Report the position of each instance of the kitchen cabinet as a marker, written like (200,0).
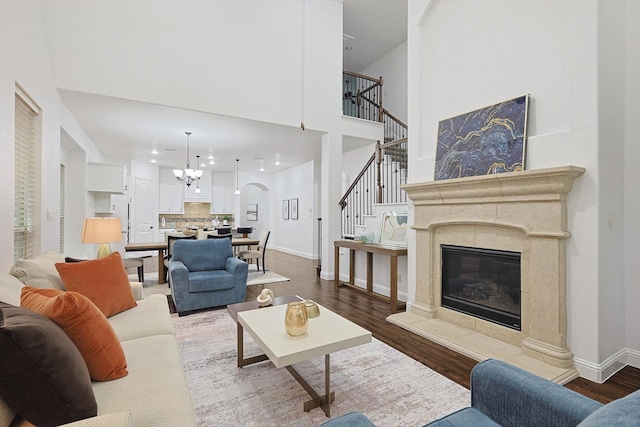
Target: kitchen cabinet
(164,232)
(106,203)
(205,190)
(102,177)
(222,199)
(171,198)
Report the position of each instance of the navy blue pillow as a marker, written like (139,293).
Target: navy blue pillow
(43,376)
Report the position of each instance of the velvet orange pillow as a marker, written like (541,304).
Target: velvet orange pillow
(104,281)
(87,327)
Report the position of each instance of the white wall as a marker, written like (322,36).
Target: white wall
(256,188)
(632,178)
(76,202)
(25,61)
(265,52)
(393,69)
(259,196)
(570,57)
(247,41)
(354,160)
(611,151)
(294,236)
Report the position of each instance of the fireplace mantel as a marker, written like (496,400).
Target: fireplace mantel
(524,212)
(540,184)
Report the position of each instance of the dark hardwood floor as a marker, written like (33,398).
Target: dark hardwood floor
(371,314)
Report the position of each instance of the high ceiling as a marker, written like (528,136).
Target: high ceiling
(372,28)
(124,129)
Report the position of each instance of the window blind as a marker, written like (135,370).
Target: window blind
(25,175)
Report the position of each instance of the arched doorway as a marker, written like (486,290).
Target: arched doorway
(254,209)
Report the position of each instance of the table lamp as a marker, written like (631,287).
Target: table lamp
(102,231)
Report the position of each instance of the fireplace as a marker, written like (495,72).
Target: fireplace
(507,232)
(484,283)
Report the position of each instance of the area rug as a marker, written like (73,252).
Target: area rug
(260,278)
(151,285)
(390,388)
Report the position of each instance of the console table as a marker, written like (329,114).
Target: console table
(370,248)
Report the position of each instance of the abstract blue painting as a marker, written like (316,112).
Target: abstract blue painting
(483,142)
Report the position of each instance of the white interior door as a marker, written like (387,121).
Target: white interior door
(144,226)
(120,207)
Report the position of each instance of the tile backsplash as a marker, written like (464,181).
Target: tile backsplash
(195,214)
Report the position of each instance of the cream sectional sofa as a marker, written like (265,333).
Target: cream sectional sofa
(155,392)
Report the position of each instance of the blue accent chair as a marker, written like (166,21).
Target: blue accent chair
(504,395)
(205,274)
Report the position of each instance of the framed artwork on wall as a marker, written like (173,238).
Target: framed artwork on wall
(252,212)
(394,228)
(294,208)
(285,209)
(486,141)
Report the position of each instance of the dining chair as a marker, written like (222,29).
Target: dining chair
(258,253)
(220,236)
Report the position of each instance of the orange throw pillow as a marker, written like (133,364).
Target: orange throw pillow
(87,327)
(104,281)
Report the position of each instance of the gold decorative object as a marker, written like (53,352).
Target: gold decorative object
(296,320)
(312,309)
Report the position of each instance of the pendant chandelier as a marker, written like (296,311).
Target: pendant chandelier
(188,175)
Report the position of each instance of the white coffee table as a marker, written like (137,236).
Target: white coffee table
(326,334)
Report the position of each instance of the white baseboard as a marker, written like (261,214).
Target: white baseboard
(325,275)
(600,372)
(292,252)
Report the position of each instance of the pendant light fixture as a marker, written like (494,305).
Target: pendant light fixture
(237,188)
(198,191)
(188,175)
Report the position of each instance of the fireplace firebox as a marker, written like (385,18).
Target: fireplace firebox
(484,283)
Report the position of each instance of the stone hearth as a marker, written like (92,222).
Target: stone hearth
(523,212)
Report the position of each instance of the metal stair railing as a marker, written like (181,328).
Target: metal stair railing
(362,96)
(379,181)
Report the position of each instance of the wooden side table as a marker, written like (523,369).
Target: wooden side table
(370,248)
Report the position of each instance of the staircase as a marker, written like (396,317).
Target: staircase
(386,170)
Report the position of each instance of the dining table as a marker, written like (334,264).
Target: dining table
(161,247)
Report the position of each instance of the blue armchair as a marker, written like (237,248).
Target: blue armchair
(504,395)
(204,274)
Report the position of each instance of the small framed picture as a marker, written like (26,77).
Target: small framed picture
(285,209)
(252,212)
(294,208)
(394,228)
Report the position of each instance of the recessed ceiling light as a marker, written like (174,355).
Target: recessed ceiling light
(153,160)
(348,48)
(154,151)
(210,157)
(211,162)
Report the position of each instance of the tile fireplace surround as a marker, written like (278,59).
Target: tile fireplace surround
(524,212)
